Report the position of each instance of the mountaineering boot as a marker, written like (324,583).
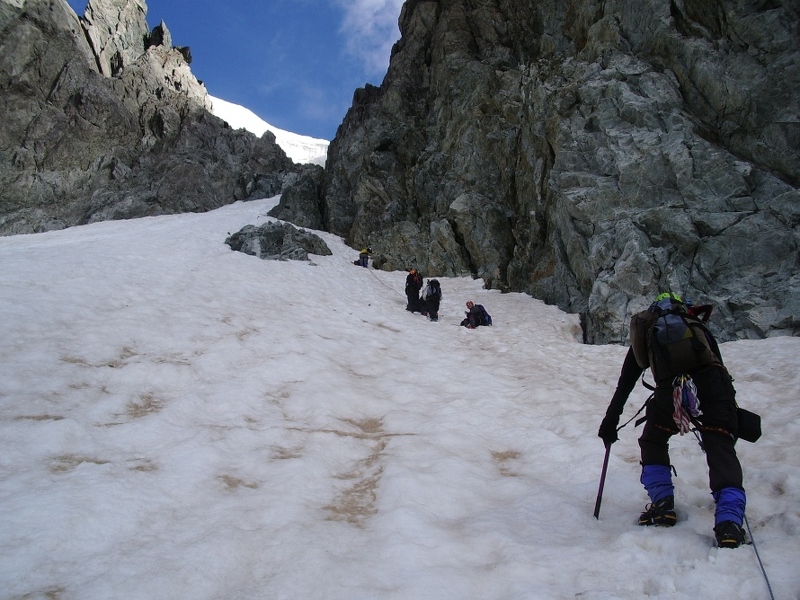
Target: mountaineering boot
(729,535)
(661,513)
(729,514)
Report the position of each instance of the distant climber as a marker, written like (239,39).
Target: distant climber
(431,298)
(363,257)
(413,286)
(476,316)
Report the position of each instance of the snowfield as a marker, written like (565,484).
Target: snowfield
(300,149)
(182,421)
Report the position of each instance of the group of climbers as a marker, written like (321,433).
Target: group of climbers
(670,339)
(427,302)
(422,300)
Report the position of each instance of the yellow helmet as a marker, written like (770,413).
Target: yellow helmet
(672,295)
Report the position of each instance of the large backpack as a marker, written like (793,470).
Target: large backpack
(433,290)
(670,339)
(487,319)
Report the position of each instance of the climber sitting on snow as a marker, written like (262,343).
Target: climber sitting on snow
(476,316)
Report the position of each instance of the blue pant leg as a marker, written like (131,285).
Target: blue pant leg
(731,503)
(657,480)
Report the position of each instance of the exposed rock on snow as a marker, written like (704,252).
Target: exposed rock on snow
(277,241)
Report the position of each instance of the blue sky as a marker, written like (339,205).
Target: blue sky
(295,63)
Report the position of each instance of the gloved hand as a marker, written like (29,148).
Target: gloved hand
(608,429)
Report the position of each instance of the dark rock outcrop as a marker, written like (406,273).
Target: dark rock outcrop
(277,241)
(300,203)
(103,119)
(590,153)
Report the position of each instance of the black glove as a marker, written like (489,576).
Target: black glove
(608,429)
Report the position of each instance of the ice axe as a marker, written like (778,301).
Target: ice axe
(602,482)
(608,451)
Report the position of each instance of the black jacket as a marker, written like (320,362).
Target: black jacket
(413,283)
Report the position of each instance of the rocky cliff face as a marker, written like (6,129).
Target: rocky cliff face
(103,119)
(588,152)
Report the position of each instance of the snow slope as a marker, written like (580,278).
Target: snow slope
(179,420)
(300,148)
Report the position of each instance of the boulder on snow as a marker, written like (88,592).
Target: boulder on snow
(277,241)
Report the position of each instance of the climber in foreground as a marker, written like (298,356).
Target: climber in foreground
(693,388)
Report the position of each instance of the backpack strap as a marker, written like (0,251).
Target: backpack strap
(642,419)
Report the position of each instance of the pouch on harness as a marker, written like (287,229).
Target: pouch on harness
(670,340)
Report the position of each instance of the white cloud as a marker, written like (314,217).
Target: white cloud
(370,29)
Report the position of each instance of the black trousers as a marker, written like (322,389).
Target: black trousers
(432,308)
(718,427)
(413,300)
